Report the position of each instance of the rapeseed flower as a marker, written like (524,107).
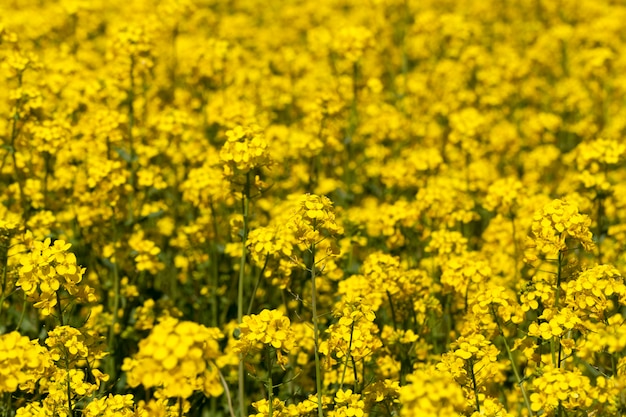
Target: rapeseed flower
(178,358)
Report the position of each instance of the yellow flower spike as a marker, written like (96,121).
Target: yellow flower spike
(157,365)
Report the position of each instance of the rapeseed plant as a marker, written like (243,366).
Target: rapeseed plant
(314,208)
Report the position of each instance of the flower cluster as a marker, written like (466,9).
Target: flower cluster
(70,345)
(431,393)
(272,249)
(178,358)
(313,219)
(354,336)
(559,387)
(245,149)
(113,405)
(422,202)
(268,328)
(48,268)
(22,362)
(554,224)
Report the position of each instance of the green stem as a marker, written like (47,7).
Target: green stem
(515,246)
(19,323)
(4,260)
(114,312)
(518,378)
(599,230)
(69,388)
(318,366)
(47,171)
(110,361)
(557,295)
(6,404)
(356,375)
(558,281)
(14,134)
(393,311)
(226,390)
(470,365)
(270,384)
(60,308)
(131,140)
(256,284)
(214,279)
(348,356)
(245,203)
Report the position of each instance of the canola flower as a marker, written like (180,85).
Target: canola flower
(23,361)
(312,208)
(178,358)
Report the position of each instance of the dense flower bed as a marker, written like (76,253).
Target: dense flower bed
(312,208)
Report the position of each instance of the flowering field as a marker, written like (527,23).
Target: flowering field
(339,208)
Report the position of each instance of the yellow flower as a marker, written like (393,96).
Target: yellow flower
(270,327)
(177,357)
(45,270)
(554,224)
(22,362)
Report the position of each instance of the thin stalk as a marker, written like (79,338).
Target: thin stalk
(270,384)
(227,391)
(353,122)
(60,308)
(362,375)
(5,261)
(19,323)
(257,283)
(6,404)
(557,296)
(245,207)
(599,231)
(557,293)
(318,366)
(393,311)
(348,355)
(214,284)
(215,273)
(114,309)
(69,388)
(14,134)
(470,365)
(518,378)
(515,246)
(131,140)
(356,376)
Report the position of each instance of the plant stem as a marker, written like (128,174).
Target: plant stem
(256,285)
(557,296)
(393,311)
(599,230)
(318,367)
(60,308)
(471,368)
(518,378)
(515,246)
(270,384)
(4,261)
(111,365)
(69,388)
(14,134)
(226,390)
(348,356)
(131,141)
(245,203)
